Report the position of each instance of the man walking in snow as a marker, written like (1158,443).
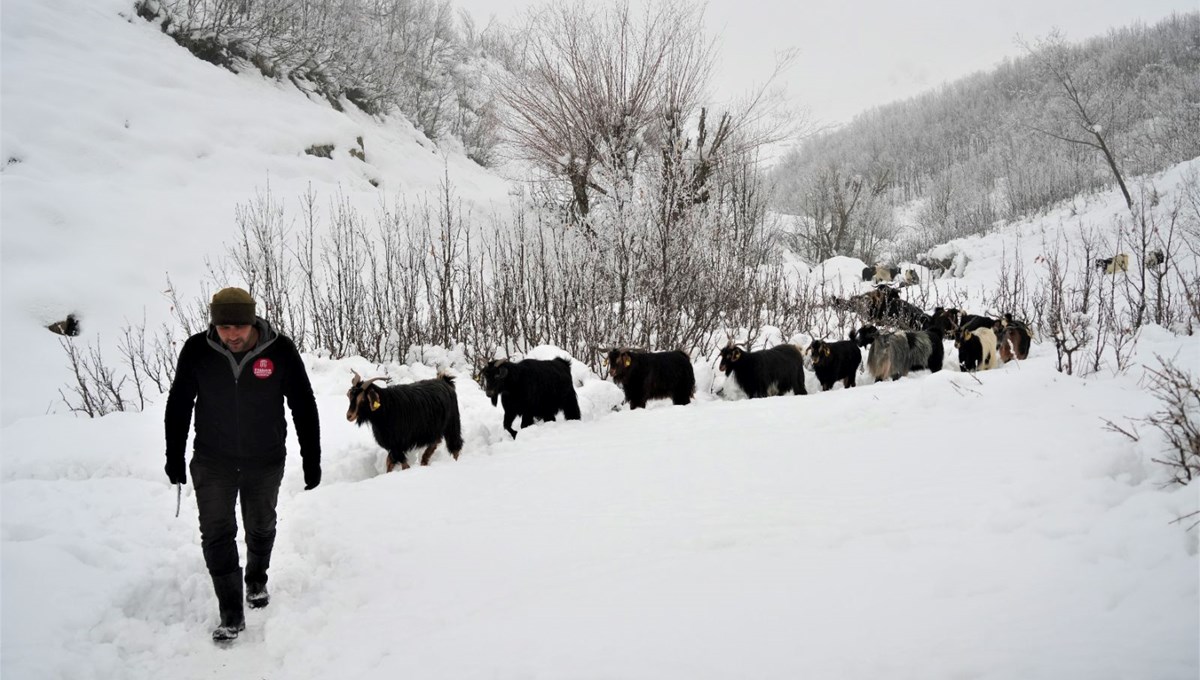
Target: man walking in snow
(237,375)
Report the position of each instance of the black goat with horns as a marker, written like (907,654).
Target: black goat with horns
(531,388)
(405,417)
(767,372)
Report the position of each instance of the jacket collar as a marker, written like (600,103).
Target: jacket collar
(266,336)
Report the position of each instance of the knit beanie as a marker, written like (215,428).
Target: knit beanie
(232,307)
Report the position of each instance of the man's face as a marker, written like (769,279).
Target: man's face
(237,338)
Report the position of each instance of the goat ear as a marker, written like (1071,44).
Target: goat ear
(503,372)
(375,403)
(626,359)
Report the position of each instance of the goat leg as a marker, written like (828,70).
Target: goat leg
(391,462)
(429,452)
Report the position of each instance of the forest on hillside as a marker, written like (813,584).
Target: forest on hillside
(1061,120)
(1065,118)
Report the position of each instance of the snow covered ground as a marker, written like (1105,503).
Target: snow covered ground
(943,526)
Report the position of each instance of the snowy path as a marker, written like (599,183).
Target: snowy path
(909,530)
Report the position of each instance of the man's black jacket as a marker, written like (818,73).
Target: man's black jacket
(239,406)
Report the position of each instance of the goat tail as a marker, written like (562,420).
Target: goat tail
(447,378)
(453,433)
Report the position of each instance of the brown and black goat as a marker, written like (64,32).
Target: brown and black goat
(883,305)
(1014,337)
(405,417)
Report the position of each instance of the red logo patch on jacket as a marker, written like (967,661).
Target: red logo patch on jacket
(263,368)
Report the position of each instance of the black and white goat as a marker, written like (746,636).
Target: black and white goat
(405,417)
(1112,265)
(976,349)
(765,373)
(531,388)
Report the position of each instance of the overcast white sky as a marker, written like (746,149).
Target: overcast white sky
(854,55)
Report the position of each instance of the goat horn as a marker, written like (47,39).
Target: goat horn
(356,379)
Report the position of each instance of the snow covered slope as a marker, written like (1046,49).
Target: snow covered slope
(125,158)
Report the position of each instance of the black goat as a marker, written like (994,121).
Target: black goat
(926,350)
(652,375)
(944,319)
(834,361)
(404,417)
(971,322)
(767,372)
(531,388)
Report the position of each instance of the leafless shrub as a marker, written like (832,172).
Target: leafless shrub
(1064,318)
(97,390)
(261,259)
(1177,420)
(191,316)
(1013,294)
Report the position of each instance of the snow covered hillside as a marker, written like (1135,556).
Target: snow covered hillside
(946,525)
(125,158)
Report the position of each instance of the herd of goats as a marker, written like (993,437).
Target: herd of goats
(422,414)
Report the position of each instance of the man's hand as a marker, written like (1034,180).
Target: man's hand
(176,470)
(312,474)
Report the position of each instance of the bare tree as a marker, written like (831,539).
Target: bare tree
(604,95)
(842,213)
(595,84)
(1093,109)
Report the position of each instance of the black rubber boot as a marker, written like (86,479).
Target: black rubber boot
(229,600)
(257,596)
(256,580)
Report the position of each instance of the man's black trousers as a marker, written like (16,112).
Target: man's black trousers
(218,485)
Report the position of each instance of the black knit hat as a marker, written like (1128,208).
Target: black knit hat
(232,307)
